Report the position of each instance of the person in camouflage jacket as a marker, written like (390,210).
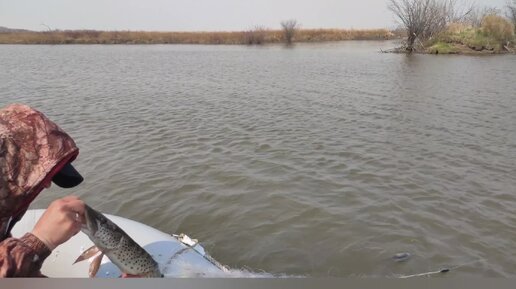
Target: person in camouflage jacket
(34,152)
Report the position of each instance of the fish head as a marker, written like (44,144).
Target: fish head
(91,220)
(104,233)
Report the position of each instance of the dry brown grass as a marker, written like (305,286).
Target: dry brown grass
(144,37)
(498,27)
(320,35)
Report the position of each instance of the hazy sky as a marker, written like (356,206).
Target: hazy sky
(190,15)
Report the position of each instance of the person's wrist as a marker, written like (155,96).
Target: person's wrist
(40,249)
(51,246)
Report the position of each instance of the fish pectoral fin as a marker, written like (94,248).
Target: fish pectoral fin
(95,265)
(90,252)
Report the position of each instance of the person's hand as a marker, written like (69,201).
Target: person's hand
(62,220)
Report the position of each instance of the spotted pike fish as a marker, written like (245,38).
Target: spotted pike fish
(113,242)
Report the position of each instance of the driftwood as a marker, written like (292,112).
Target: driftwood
(402,49)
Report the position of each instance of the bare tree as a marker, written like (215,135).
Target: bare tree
(457,11)
(511,12)
(46,26)
(479,13)
(289,29)
(425,18)
(416,16)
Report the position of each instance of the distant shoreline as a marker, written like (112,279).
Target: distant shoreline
(255,37)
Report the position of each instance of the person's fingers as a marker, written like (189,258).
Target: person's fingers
(76,206)
(81,219)
(62,219)
(72,203)
(75,224)
(76,228)
(76,218)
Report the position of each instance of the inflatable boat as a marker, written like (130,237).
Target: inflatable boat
(177,255)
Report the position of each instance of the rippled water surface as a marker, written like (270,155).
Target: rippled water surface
(316,160)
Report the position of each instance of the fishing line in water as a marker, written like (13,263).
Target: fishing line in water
(444,270)
(441,271)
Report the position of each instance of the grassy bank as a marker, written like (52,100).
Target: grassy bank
(460,39)
(494,35)
(142,37)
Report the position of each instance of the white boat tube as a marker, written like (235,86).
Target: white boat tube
(177,255)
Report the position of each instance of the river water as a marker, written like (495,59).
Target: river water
(315,160)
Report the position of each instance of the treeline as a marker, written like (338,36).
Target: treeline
(431,25)
(257,35)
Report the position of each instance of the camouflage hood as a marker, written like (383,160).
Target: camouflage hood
(32,150)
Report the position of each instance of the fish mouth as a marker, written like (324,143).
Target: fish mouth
(92,218)
(95,221)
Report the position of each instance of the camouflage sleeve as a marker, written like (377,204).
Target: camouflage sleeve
(22,257)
